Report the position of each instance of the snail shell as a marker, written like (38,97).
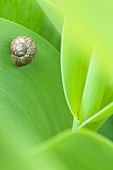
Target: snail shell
(23,50)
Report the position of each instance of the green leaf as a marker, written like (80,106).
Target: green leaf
(94,90)
(95,121)
(23,12)
(107,128)
(10,156)
(74,67)
(94,22)
(108,95)
(81,150)
(32,102)
(29,14)
(54,12)
(49,32)
(84,85)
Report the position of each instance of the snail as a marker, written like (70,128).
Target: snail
(23,50)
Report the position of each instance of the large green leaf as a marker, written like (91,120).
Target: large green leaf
(32,101)
(83,150)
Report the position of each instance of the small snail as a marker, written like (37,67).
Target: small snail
(23,50)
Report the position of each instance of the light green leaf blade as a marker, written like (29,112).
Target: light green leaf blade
(74,67)
(94,20)
(95,121)
(81,150)
(84,84)
(94,90)
(32,101)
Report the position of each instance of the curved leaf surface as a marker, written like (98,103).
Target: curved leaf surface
(23,12)
(54,12)
(32,101)
(84,84)
(29,14)
(80,150)
(74,67)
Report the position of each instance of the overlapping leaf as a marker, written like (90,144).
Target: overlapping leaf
(84,84)
(54,12)
(94,20)
(23,12)
(29,14)
(74,67)
(76,52)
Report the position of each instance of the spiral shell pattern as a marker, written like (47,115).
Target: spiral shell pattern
(23,50)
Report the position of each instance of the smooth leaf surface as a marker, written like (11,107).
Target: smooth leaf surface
(29,14)
(32,101)
(74,67)
(107,128)
(108,95)
(84,84)
(49,32)
(95,95)
(94,22)
(94,90)
(95,121)
(54,12)
(23,12)
(80,150)
(10,156)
